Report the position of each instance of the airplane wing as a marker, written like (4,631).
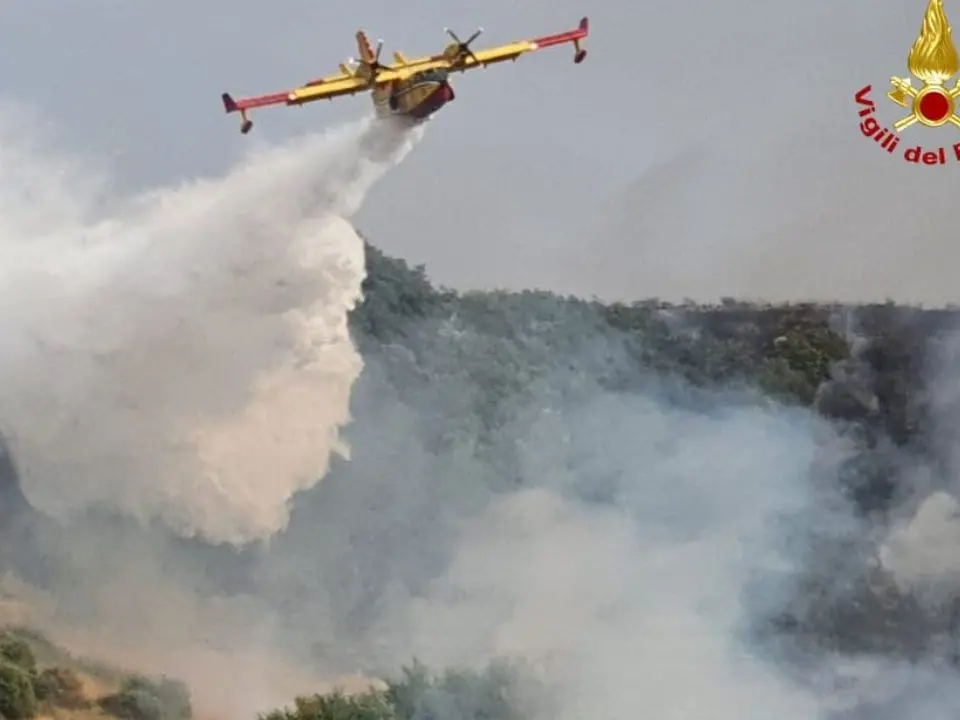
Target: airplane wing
(461,58)
(325,88)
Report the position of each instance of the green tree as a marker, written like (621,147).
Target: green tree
(17,698)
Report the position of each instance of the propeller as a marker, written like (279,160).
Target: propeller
(375,67)
(463,48)
(376,57)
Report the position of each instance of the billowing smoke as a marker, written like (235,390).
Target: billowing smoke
(520,487)
(184,353)
(921,546)
(629,568)
(517,484)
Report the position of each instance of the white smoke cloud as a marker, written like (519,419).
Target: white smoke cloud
(184,353)
(642,603)
(920,549)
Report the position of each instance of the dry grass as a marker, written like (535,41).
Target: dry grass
(64,714)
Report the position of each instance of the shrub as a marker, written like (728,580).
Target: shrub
(417,695)
(132,705)
(16,650)
(141,698)
(457,694)
(371,705)
(17,698)
(61,687)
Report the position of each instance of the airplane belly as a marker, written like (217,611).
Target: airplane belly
(421,99)
(415,99)
(409,98)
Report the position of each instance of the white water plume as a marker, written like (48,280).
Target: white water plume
(186,356)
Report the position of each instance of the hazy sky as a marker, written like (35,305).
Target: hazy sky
(701,150)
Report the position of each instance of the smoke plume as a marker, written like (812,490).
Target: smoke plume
(517,485)
(184,353)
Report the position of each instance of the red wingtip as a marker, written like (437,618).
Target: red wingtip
(229,105)
(585,25)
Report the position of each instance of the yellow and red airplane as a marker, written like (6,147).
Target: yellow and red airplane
(415,89)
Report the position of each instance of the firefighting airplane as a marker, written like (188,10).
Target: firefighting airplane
(414,89)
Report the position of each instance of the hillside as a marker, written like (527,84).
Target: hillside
(38,678)
(495,417)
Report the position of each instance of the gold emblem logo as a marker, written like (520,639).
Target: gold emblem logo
(932,60)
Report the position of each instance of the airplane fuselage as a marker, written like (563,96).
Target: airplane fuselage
(417,97)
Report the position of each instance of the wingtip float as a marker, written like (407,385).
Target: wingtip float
(413,89)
